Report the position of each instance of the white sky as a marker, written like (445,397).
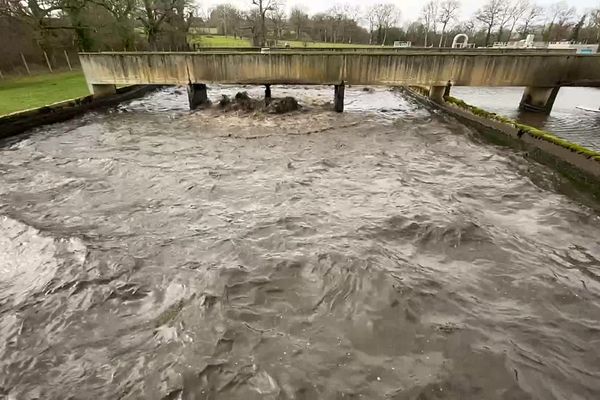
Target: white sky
(411,9)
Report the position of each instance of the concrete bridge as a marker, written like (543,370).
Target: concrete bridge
(542,74)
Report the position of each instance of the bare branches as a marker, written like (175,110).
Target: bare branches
(448,10)
(489,15)
(384,16)
(430,15)
(298,20)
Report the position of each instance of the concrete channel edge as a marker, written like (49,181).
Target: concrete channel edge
(580,165)
(22,121)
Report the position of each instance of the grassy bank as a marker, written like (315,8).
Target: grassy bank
(229,41)
(40,90)
(220,41)
(297,43)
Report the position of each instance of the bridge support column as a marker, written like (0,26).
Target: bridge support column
(338,100)
(436,93)
(103,90)
(539,99)
(267,94)
(197,95)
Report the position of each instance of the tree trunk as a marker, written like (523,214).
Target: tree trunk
(426,36)
(525,30)
(262,34)
(84,41)
(152,38)
(443,32)
(512,28)
(487,36)
(547,34)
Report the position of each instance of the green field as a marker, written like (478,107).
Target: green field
(297,43)
(230,41)
(40,90)
(220,41)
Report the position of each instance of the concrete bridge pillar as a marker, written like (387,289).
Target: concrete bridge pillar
(103,90)
(436,93)
(267,94)
(197,95)
(338,100)
(539,99)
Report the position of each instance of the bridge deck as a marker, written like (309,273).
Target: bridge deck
(463,68)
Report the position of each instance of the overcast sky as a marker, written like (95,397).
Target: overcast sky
(411,9)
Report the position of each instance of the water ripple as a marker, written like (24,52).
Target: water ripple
(152,252)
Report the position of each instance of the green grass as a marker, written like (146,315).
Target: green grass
(298,43)
(230,41)
(40,90)
(220,41)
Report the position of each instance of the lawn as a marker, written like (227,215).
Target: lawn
(230,41)
(297,43)
(40,90)
(220,41)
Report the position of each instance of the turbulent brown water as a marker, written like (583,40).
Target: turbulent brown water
(154,253)
(565,120)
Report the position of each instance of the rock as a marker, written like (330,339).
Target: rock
(242,96)
(225,101)
(281,106)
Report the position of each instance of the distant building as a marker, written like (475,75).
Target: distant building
(402,44)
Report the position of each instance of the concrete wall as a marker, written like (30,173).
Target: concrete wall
(381,49)
(21,121)
(399,68)
(583,169)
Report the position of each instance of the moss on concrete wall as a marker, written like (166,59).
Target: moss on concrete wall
(526,129)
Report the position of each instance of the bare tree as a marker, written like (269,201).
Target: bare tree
(518,9)
(489,15)
(386,15)
(165,16)
(595,21)
(447,12)
(263,7)
(529,18)
(504,16)
(559,14)
(430,16)
(122,12)
(226,17)
(278,17)
(34,13)
(298,20)
(152,13)
(577,28)
(372,19)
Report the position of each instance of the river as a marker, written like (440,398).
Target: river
(565,120)
(386,252)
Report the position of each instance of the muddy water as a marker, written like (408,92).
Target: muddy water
(566,120)
(382,253)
